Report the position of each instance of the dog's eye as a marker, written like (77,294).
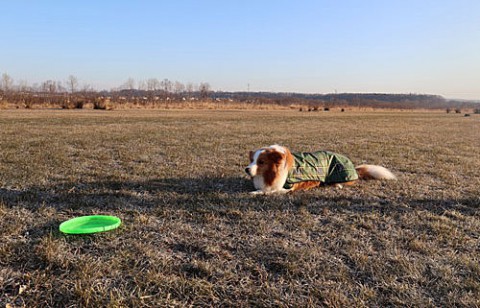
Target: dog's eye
(260,162)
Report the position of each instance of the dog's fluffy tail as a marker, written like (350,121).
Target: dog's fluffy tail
(373,172)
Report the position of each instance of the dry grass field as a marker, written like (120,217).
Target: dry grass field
(193,236)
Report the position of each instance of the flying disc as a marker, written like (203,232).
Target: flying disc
(90,224)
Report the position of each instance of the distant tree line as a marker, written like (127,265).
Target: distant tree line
(71,85)
(70,94)
(358,100)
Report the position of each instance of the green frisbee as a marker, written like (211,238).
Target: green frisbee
(90,224)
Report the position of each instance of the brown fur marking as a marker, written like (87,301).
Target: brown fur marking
(305,185)
(362,173)
(268,163)
(290,159)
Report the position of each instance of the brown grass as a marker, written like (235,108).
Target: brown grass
(191,233)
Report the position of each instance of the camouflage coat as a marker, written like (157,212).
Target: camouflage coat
(323,166)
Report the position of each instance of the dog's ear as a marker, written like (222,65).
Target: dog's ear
(275,156)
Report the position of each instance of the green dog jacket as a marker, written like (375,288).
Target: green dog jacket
(323,166)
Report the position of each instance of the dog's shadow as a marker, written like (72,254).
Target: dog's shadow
(226,185)
(104,192)
(113,195)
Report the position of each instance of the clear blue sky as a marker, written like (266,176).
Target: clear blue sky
(392,46)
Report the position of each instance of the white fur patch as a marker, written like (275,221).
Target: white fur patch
(253,165)
(278,148)
(378,172)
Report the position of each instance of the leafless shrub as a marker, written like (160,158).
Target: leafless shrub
(79,104)
(99,104)
(27,103)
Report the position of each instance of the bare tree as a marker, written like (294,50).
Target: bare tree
(153,84)
(7,82)
(72,83)
(49,86)
(129,84)
(204,90)
(166,85)
(60,87)
(178,87)
(142,85)
(87,88)
(189,88)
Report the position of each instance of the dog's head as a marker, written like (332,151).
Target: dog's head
(265,159)
(269,167)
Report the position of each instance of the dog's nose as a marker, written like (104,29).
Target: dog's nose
(247,170)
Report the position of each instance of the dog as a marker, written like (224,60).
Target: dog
(275,169)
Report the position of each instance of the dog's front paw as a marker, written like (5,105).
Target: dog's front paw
(271,192)
(257,192)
